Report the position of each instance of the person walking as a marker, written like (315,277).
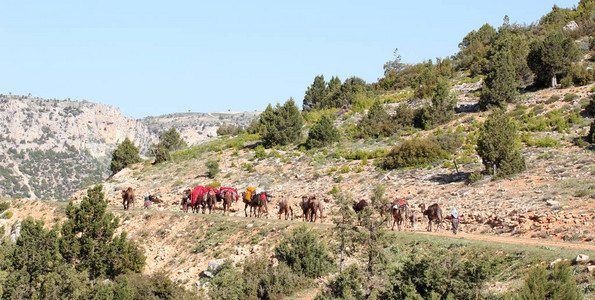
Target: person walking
(147,200)
(455,220)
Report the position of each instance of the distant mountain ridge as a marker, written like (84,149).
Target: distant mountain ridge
(50,148)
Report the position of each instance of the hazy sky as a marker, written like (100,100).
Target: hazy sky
(157,57)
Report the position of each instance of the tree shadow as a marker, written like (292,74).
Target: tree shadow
(450,178)
(467,108)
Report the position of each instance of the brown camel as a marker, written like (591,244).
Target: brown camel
(400,213)
(434,213)
(305,205)
(186,200)
(210,198)
(286,207)
(314,206)
(249,203)
(413,219)
(358,207)
(227,197)
(128,197)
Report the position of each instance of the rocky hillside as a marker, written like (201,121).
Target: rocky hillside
(554,198)
(50,148)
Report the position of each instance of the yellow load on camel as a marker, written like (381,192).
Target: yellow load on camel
(249,192)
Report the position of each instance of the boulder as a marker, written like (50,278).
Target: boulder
(215,264)
(581,258)
(571,26)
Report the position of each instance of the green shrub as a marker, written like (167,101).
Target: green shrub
(125,154)
(6,215)
(590,108)
(349,284)
(591,136)
(475,177)
(449,142)
(212,168)
(4,206)
(569,97)
(555,283)
(344,169)
(322,133)
(259,152)
(305,254)
(552,99)
(413,153)
(546,142)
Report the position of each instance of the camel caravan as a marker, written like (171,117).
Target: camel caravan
(310,208)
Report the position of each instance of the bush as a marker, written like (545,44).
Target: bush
(212,168)
(475,177)
(259,152)
(591,136)
(569,97)
(259,280)
(349,284)
(6,215)
(449,142)
(556,283)
(413,153)
(552,99)
(230,129)
(305,254)
(4,206)
(590,108)
(441,274)
(323,133)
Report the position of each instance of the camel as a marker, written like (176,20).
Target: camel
(314,206)
(359,207)
(227,197)
(286,207)
(400,214)
(248,203)
(128,197)
(305,205)
(413,219)
(186,200)
(256,204)
(209,198)
(434,212)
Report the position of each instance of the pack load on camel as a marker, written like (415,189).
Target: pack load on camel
(249,192)
(232,190)
(209,188)
(198,190)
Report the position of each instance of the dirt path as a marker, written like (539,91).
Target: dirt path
(511,240)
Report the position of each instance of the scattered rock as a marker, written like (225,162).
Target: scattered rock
(581,258)
(208,274)
(15,231)
(571,26)
(553,203)
(553,263)
(215,264)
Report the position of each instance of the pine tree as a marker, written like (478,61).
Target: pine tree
(552,58)
(498,145)
(281,125)
(344,220)
(443,106)
(322,133)
(315,94)
(501,84)
(88,241)
(172,140)
(125,154)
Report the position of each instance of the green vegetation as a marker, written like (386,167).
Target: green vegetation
(322,133)
(413,153)
(551,57)
(212,168)
(168,141)
(281,125)
(553,283)
(125,154)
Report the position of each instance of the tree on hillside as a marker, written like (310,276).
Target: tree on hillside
(501,84)
(281,125)
(88,241)
(475,49)
(551,58)
(125,154)
(442,108)
(425,82)
(315,94)
(393,67)
(322,133)
(498,145)
(344,220)
(172,140)
(377,122)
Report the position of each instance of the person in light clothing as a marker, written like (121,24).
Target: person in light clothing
(455,220)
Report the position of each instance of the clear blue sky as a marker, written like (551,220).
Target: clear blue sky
(157,57)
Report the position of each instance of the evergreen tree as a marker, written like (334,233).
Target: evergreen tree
(344,220)
(498,145)
(171,140)
(557,283)
(161,153)
(500,86)
(377,122)
(591,134)
(322,133)
(551,58)
(212,168)
(475,49)
(88,241)
(443,106)
(315,94)
(281,125)
(125,154)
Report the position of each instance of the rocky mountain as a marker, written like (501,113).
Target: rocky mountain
(50,148)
